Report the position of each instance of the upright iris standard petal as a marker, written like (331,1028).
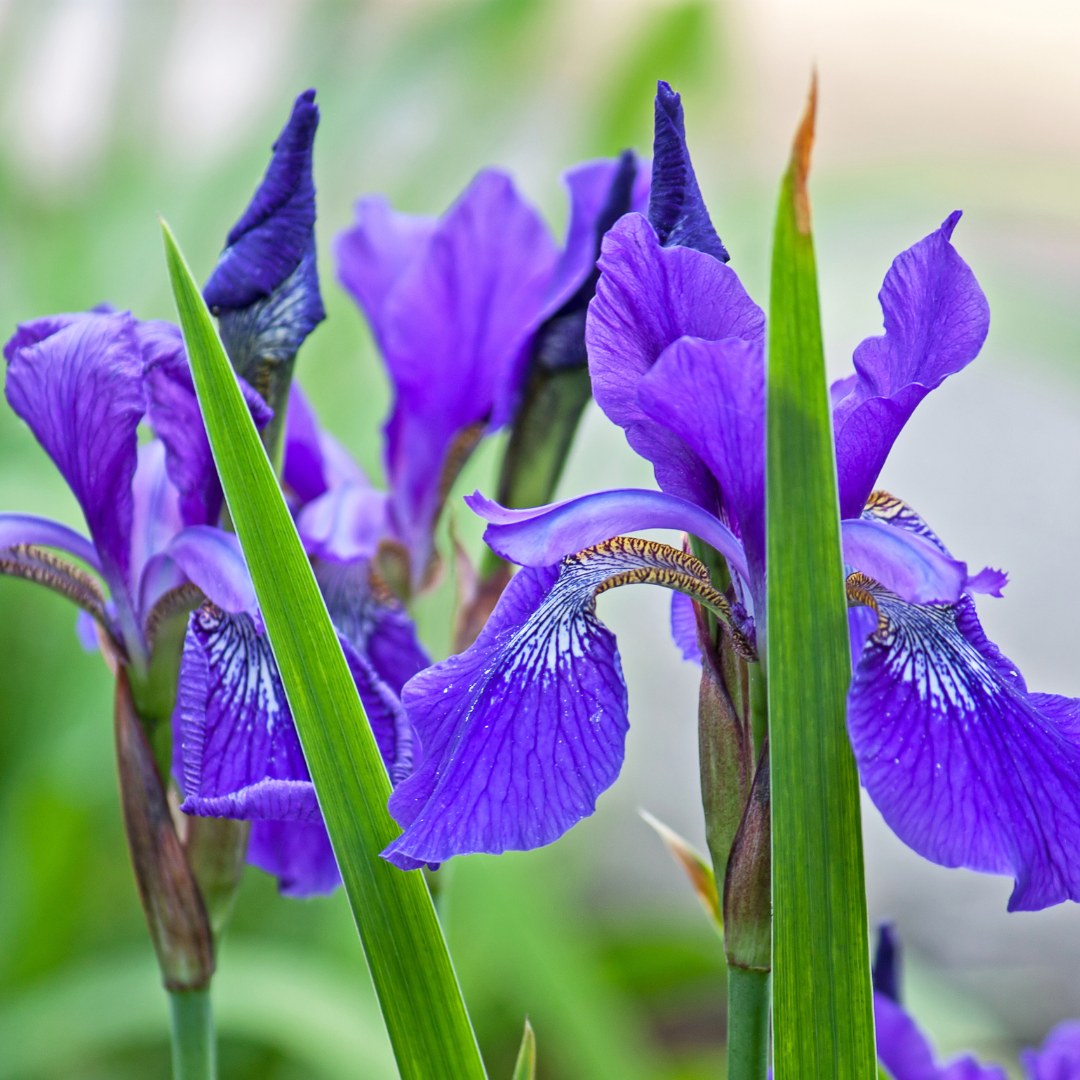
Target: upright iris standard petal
(647,298)
(275,233)
(315,461)
(238,750)
(936,319)
(522,731)
(80,389)
(1059,1056)
(676,209)
(542,535)
(711,394)
(450,326)
(966,766)
(173,411)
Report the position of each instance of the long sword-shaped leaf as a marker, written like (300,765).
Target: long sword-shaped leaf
(822,1017)
(418,990)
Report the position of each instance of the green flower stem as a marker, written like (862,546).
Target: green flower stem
(748,1024)
(193,1047)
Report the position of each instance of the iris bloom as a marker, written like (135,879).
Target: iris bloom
(908,1055)
(84,383)
(454,305)
(522,732)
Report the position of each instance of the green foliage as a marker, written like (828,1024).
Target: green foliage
(410,965)
(822,1017)
(680,43)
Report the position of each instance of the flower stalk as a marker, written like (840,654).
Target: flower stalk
(194,1051)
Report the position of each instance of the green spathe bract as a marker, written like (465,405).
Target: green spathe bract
(823,1023)
(410,966)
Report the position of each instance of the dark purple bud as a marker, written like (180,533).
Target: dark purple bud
(676,209)
(887,961)
(274,234)
(265,287)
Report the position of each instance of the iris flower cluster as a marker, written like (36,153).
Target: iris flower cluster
(525,729)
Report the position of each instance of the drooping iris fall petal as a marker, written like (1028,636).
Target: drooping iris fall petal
(967,767)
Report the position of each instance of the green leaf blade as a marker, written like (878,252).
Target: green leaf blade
(822,1004)
(410,966)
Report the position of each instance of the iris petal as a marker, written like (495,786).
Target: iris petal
(298,854)
(28,529)
(936,319)
(174,414)
(542,535)
(451,326)
(237,749)
(524,730)
(712,395)
(1059,1056)
(965,765)
(80,389)
(648,297)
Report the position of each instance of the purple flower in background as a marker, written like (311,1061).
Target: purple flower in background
(902,1048)
(1059,1056)
(454,304)
(83,383)
(522,731)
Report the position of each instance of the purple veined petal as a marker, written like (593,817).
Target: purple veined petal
(156,516)
(684,627)
(28,529)
(344,524)
(966,767)
(711,394)
(676,209)
(648,297)
(542,535)
(1059,1056)
(373,620)
(80,391)
(936,320)
(374,252)
(451,328)
(173,411)
(522,731)
(213,560)
(589,186)
(275,233)
(298,854)
(902,561)
(240,754)
(35,330)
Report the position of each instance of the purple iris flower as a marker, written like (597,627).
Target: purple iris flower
(454,304)
(84,383)
(522,732)
(238,754)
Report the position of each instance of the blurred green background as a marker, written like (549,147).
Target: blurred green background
(113,112)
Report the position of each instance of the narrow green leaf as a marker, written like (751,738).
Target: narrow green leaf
(410,965)
(822,1017)
(525,1069)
